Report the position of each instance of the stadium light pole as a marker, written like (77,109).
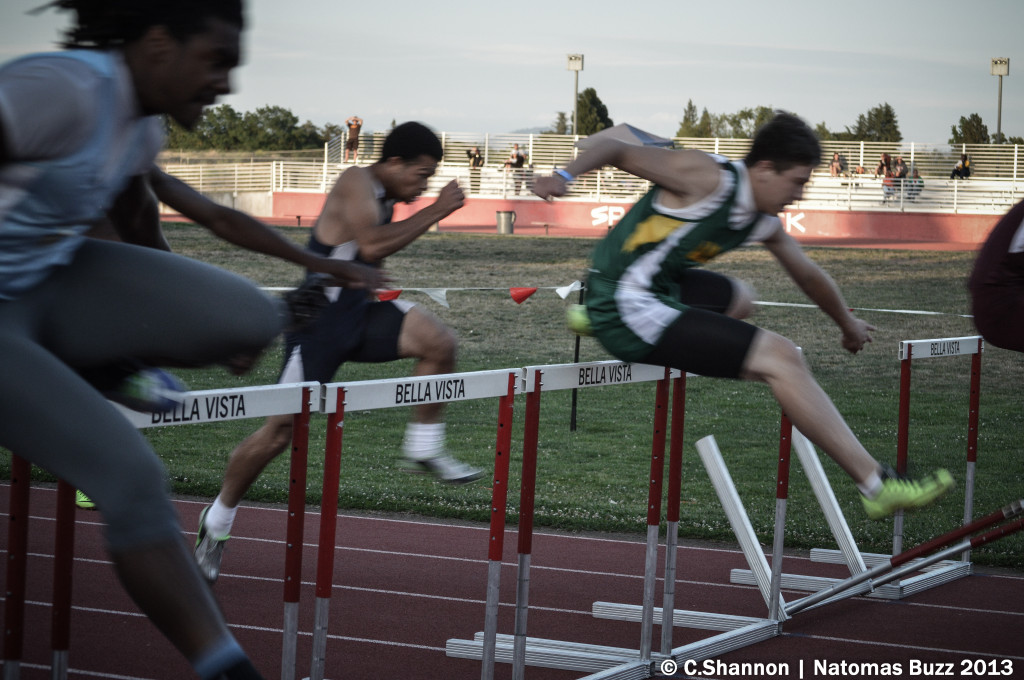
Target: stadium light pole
(575,65)
(1000,67)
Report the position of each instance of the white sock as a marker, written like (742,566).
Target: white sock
(219,519)
(871,486)
(423,440)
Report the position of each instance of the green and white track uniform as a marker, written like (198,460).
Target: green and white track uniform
(633,286)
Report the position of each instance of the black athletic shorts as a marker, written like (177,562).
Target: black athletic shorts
(350,329)
(703,340)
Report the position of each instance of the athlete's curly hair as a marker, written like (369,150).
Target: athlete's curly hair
(786,141)
(102,24)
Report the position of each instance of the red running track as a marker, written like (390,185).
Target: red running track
(405,586)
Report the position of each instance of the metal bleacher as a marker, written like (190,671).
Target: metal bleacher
(996,183)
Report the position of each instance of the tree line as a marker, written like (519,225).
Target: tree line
(878,124)
(274,128)
(268,128)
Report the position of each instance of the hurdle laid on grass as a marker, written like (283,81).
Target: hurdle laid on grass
(198,407)
(377,394)
(933,574)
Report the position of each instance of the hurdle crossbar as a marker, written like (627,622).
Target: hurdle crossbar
(377,394)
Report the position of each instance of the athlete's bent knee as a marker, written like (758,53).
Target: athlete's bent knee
(772,356)
(135,504)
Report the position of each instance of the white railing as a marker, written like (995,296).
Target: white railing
(995,185)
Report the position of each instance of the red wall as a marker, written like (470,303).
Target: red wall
(594,218)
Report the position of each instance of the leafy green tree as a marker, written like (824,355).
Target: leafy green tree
(1015,140)
(220,128)
(330,131)
(706,125)
(308,136)
(877,125)
(823,133)
(745,122)
(688,126)
(592,113)
(177,136)
(970,130)
(272,128)
(561,124)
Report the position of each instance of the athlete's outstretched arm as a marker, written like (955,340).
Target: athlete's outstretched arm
(819,287)
(242,230)
(689,174)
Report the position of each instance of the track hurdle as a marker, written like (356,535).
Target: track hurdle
(197,407)
(297,400)
(376,394)
(518,649)
(602,661)
(913,559)
(848,552)
(737,631)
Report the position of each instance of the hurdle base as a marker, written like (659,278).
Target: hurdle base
(680,618)
(931,576)
(607,663)
(729,641)
(546,653)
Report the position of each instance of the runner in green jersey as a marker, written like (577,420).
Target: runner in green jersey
(648,302)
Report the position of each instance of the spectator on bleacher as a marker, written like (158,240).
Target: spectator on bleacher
(476,161)
(836,166)
(888,178)
(899,168)
(514,164)
(354,124)
(914,185)
(889,184)
(884,165)
(962,170)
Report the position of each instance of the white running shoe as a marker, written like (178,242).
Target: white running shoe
(209,550)
(445,468)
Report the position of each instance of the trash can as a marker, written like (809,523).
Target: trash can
(506,220)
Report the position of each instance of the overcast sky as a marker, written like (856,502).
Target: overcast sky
(478,66)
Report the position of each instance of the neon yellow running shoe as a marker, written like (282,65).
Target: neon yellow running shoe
(578,321)
(83,501)
(899,492)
